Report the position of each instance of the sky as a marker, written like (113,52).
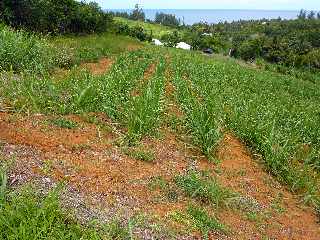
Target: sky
(213,4)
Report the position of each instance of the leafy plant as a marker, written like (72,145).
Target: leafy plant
(203,188)
(203,222)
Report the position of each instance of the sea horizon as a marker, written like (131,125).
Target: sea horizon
(191,16)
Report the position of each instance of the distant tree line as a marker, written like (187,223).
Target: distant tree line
(304,14)
(54,16)
(138,14)
(167,19)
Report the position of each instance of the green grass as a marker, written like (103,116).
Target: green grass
(140,154)
(25,214)
(203,188)
(64,123)
(156,29)
(196,218)
(276,115)
(74,50)
(203,222)
(21,51)
(145,110)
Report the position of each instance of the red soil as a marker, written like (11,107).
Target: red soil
(88,159)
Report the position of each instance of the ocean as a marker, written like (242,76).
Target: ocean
(216,16)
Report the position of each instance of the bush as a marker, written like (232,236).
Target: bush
(250,49)
(22,51)
(136,31)
(312,59)
(50,16)
(171,39)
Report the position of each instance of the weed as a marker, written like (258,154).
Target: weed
(25,214)
(24,52)
(158,183)
(47,167)
(204,188)
(139,154)
(116,231)
(203,222)
(64,123)
(3,185)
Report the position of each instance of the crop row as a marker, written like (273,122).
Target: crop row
(278,116)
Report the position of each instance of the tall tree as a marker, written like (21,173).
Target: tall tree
(138,13)
(302,14)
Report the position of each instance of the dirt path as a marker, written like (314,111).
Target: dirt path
(99,68)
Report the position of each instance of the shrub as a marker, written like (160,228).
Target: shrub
(203,188)
(312,59)
(171,39)
(50,16)
(22,51)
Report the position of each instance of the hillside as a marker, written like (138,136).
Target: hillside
(153,143)
(156,29)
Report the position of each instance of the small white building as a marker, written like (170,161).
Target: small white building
(183,45)
(157,42)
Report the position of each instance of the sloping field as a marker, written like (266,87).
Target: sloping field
(170,144)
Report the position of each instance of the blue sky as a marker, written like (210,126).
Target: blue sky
(213,4)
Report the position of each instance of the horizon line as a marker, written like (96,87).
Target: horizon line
(229,9)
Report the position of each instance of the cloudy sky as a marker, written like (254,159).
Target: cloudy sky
(213,4)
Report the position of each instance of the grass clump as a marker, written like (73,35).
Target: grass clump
(24,214)
(64,123)
(140,154)
(203,222)
(196,218)
(21,51)
(204,188)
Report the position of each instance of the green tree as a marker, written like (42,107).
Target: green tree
(137,14)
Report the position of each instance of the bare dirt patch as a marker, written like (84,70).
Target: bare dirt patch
(286,217)
(99,68)
(150,71)
(93,165)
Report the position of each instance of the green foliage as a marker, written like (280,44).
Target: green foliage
(259,107)
(155,30)
(3,185)
(25,215)
(50,16)
(137,14)
(145,110)
(167,19)
(141,155)
(64,123)
(22,51)
(203,222)
(171,39)
(135,31)
(115,231)
(204,188)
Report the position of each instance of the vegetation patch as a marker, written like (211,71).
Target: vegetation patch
(64,123)
(140,154)
(204,188)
